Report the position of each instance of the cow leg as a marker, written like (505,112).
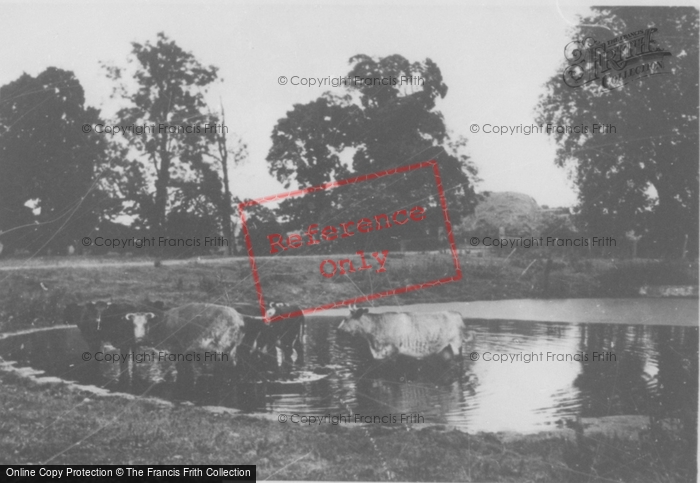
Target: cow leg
(124,373)
(268,354)
(299,346)
(286,343)
(287,361)
(287,351)
(124,367)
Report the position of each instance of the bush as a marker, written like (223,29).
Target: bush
(625,278)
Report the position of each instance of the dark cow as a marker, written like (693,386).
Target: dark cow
(257,336)
(197,329)
(416,335)
(288,332)
(264,337)
(88,318)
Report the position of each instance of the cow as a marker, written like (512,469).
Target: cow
(256,336)
(190,331)
(263,337)
(88,318)
(125,323)
(416,335)
(120,324)
(289,333)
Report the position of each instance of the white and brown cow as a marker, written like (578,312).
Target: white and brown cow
(121,325)
(416,335)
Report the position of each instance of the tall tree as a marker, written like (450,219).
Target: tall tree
(643,177)
(373,127)
(171,84)
(227,156)
(48,164)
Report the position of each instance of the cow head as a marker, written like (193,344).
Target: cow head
(354,323)
(93,313)
(276,308)
(140,323)
(271,311)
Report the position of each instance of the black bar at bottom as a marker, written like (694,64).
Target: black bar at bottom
(133,473)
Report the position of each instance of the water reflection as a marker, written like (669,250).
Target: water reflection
(654,372)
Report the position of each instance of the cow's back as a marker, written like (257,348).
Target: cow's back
(199,326)
(417,334)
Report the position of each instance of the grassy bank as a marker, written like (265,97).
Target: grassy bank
(24,302)
(61,425)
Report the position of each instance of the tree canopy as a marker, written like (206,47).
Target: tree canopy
(171,84)
(643,177)
(373,127)
(47,162)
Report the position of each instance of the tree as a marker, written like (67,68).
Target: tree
(170,96)
(644,177)
(374,127)
(226,155)
(260,222)
(47,162)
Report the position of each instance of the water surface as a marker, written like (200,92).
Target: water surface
(653,371)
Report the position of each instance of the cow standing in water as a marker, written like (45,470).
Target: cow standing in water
(119,324)
(88,318)
(125,329)
(415,335)
(193,333)
(263,338)
(288,332)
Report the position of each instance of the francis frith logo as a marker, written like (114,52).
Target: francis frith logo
(615,62)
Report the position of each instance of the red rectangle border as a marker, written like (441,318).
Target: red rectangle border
(365,177)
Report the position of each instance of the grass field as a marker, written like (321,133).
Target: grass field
(59,424)
(25,303)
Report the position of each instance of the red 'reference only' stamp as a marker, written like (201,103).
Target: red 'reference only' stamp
(321,238)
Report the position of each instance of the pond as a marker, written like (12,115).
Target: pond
(640,369)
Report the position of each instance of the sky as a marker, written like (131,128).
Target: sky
(495,58)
